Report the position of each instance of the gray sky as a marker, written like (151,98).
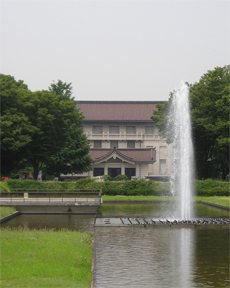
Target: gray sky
(114,50)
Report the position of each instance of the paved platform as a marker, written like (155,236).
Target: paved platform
(121,222)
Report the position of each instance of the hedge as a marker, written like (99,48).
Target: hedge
(130,187)
(211,187)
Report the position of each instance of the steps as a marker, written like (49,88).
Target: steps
(119,222)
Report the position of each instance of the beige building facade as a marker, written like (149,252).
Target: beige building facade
(124,139)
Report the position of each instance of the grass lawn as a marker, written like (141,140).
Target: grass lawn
(4,211)
(135,198)
(221,200)
(45,258)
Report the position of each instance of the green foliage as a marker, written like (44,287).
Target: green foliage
(210,113)
(160,117)
(83,183)
(37,126)
(120,177)
(24,184)
(143,187)
(113,188)
(107,178)
(211,187)
(210,123)
(130,187)
(4,187)
(73,157)
(16,130)
(61,88)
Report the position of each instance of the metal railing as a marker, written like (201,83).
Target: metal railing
(51,195)
(123,136)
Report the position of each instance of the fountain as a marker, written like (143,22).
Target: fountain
(180,131)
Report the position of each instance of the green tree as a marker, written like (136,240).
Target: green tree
(73,156)
(61,88)
(210,114)
(210,122)
(16,129)
(161,119)
(35,125)
(53,116)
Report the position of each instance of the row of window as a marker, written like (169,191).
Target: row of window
(113,172)
(97,144)
(116,129)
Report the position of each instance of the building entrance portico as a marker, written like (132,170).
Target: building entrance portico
(127,162)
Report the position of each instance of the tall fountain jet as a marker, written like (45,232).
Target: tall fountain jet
(183,163)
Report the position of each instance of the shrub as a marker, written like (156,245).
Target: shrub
(107,178)
(4,186)
(120,177)
(82,183)
(211,187)
(24,184)
(113,188)
(129,187)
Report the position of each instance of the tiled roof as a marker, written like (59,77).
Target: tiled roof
(134,155)
(136,111)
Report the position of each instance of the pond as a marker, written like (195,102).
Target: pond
(152,256)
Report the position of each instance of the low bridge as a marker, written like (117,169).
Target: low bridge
(80,201)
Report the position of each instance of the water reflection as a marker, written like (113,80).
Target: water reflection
(144,257)
(212,258)
(162,257)
(57,222)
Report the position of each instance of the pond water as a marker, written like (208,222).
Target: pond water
(162,257)
(149,257)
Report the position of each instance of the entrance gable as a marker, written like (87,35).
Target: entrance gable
(114,157)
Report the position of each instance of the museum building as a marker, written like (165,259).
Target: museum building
(124,139)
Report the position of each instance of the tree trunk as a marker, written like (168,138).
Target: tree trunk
(36,170)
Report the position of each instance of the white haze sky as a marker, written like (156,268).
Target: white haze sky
(114,50)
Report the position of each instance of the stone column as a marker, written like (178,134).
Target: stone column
(106,169)
(123,168)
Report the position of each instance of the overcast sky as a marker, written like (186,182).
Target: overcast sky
(114,50)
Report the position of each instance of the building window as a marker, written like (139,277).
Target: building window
(114,144)
(149,130)
(130,144)
(97,129)
(97,144)
(163,167)
(98,171)
(113,129)
(113,172)
(130,130)
(130,172)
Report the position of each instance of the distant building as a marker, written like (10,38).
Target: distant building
(124,139)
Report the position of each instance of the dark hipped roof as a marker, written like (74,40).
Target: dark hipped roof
(136,111)
(134,155)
